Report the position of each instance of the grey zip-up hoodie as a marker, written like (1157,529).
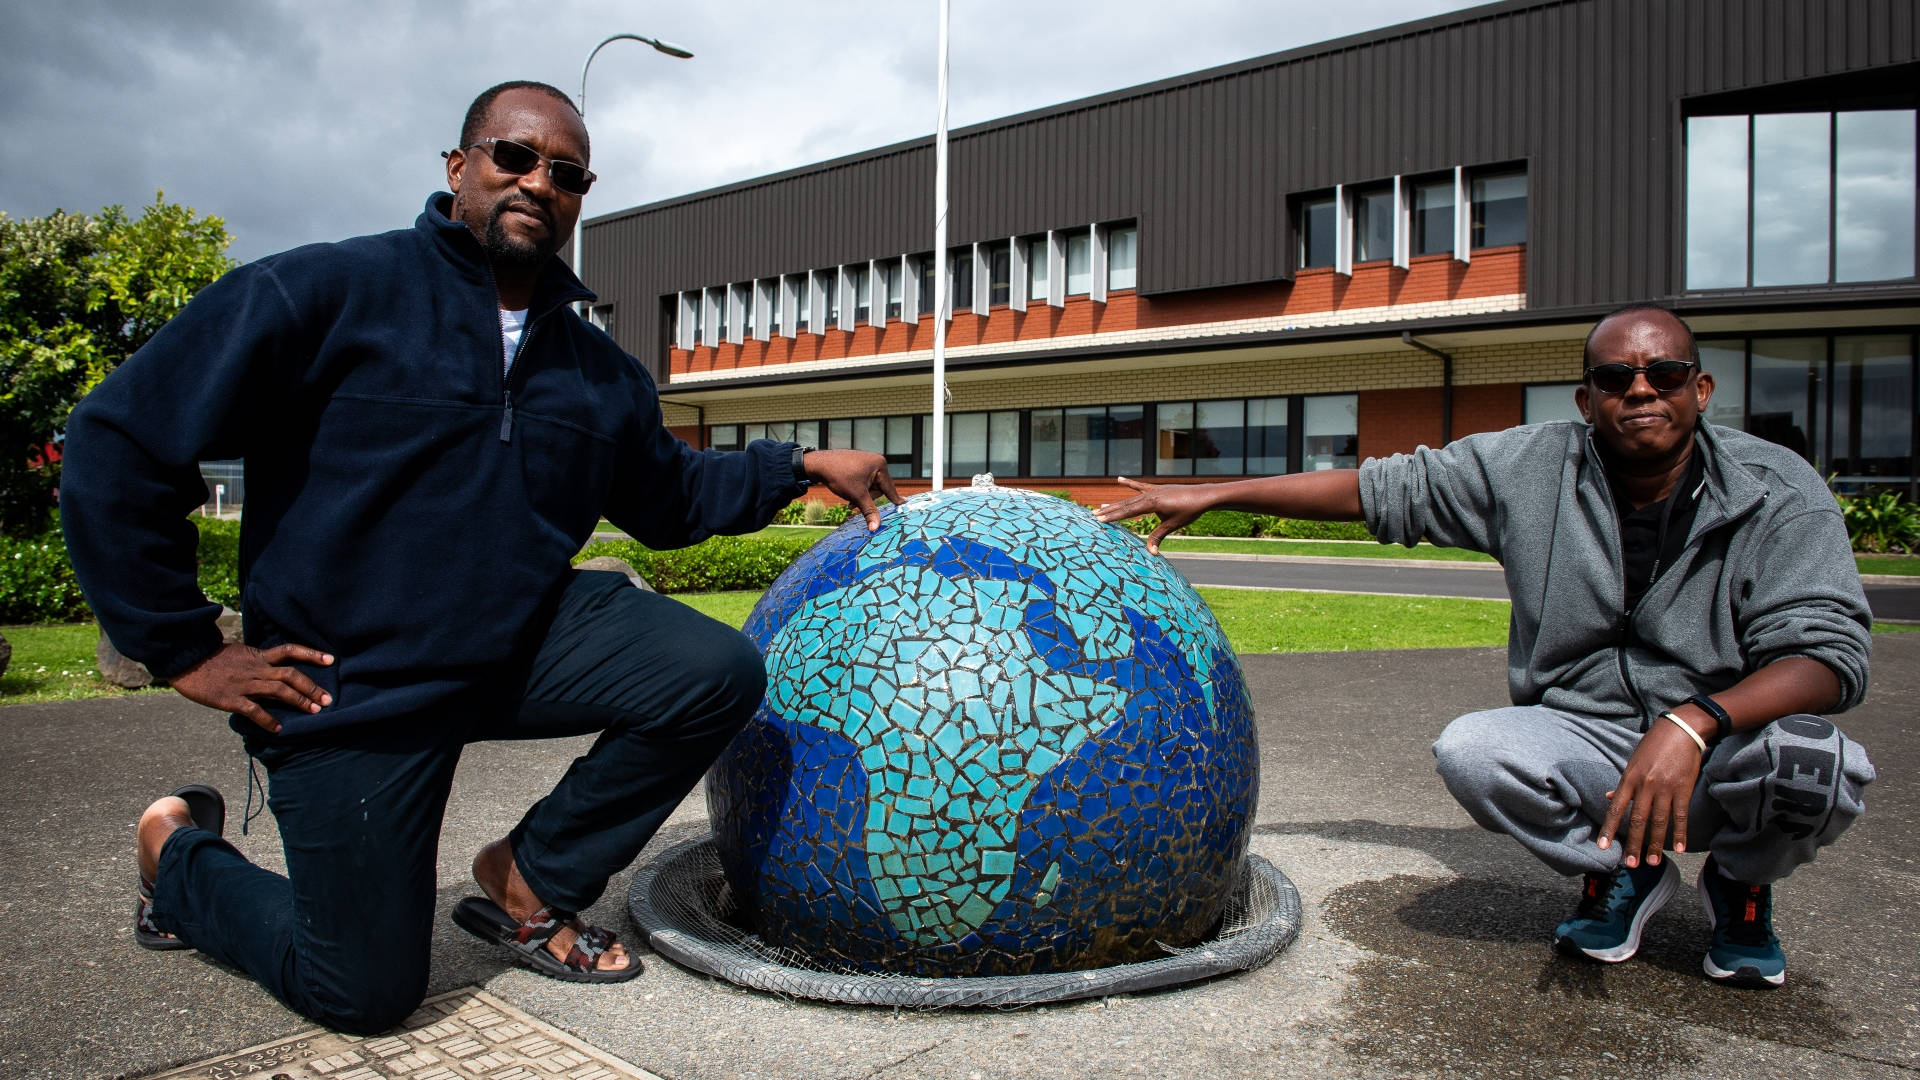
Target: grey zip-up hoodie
(1767,571)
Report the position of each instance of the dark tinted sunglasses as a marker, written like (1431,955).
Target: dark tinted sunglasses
(511,157)
(1665,376)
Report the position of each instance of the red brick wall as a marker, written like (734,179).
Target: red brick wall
(1486,408)
(690,434)
(1396,421)
(1493,272)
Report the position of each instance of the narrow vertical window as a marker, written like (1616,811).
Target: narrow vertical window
(1037,269)
(1267,433)
(1373,224)
(1173,439)
(1330,432)
(804,304)
(1079,264)
(862,294)
(1717,202)
(894,292)
(1873,195)
(1791,193)
(1123,257)
(1219,438)
(1316,232)
(1045,442)
(999,273)
(1433,218)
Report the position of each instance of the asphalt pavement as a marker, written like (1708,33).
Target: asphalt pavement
(1424,951)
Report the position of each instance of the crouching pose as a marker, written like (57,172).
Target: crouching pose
(1685,606)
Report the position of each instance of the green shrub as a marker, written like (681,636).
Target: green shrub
(1224,523)
(219,558)
(1301,529)
(721,563)
(36,581)
(1883,523)
(835,514)
(794,513)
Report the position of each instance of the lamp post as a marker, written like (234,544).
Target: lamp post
(666,47)
(942,290)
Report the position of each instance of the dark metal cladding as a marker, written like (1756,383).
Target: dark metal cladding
(1588,93)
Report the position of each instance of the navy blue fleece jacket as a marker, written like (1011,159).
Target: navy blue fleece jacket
(409,507)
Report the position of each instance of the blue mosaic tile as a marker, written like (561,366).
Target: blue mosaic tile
(998,738)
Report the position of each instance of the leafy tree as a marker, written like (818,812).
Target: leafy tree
(78,294)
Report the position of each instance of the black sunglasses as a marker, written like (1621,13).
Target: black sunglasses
(1665,376)
(512,157)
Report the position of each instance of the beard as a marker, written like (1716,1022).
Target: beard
(516,253)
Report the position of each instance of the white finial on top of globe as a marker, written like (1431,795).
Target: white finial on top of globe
(982,481)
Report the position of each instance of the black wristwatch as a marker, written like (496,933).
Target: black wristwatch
(1721,720)
(800,463)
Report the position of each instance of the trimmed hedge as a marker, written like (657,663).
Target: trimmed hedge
(722,563)
(1237,523)
(37,583)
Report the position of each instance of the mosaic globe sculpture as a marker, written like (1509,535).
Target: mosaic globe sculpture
(999,738)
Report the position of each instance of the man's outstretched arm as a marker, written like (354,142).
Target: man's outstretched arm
(1328,495)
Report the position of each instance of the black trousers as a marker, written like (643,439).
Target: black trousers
(343,938)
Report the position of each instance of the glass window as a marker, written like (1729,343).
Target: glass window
(1123,257)
(1433,218)
(1267,436)
(1045,445)
(774,299)
(862,293)
(999,273)
(752,432)
(923,265)
(1781,375)
(745,295)
(1003,443)
(1084,442)
(1717,202)
(967,445)
(1550,401)
(1873,195)
(1316,232)
(840,435)
(899,449)
(1330,430)
(1079,263)
(1126,438)
(1790,197)
(962,283)
(700,321)
(1219,438)
(602,317)
(1037,269)
(870,433)
(1173,440)
(830,291)
(1373,224)
(804,304)
(723,309)
(1872,408)
(724,437)
(1726,361)
(891,273)
(1499,209)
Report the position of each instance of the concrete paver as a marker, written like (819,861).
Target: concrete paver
(1424,949)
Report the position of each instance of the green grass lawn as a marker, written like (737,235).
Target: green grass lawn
(1905,565)
(53,663)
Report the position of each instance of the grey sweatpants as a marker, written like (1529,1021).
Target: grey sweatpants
(1765,802)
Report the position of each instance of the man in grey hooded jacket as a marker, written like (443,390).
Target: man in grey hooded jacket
(1685,603)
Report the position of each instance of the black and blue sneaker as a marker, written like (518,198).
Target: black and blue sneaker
(1743,951)
(1613,910)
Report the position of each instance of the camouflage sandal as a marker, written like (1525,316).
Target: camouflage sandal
(527,941)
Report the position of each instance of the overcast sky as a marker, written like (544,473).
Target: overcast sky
(302,121)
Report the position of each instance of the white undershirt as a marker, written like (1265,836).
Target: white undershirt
(511,324)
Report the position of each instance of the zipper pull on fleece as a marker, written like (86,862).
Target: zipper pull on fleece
(506,416)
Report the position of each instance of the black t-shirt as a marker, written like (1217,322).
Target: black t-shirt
(1652,537)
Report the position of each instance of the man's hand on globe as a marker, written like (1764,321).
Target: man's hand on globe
(1177,504)
(856,476)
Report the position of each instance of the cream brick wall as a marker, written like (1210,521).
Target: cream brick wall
(1555,361)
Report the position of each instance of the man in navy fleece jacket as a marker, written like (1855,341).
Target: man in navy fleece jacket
(430,433)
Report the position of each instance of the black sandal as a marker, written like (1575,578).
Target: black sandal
(209,811)
(527,941)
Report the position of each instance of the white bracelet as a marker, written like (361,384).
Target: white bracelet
(1691,734)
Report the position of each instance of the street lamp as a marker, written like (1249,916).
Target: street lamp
(666,47)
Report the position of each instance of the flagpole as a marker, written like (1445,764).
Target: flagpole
(941,289)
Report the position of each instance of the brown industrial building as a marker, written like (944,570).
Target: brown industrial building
(1325,254)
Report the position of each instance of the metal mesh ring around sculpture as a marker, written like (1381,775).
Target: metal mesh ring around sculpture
(679,900)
